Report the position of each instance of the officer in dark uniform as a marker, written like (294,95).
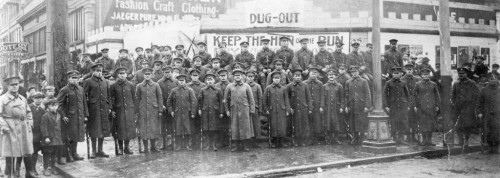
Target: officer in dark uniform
(395,101)
(464,94)
(393,56)
(285,53)
(303,58)
(338,56)
(106,61)
(245,57)
(204,55)
(265,59)
(226,58)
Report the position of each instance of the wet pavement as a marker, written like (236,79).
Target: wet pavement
(466,165)
(222,162)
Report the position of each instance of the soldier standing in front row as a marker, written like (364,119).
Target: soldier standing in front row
(316,90)
(427,101)
(123,103)
(488,109)
(181,106)
(257,96)
(358,102)
(167,84)
(37,110)
(333,104)
(277,107)
(301,108)
(224,124)
(210,102)
(411,80)
(96,89)
(196,85)
(150,109)
(396,103)
(239,103)
(464,94)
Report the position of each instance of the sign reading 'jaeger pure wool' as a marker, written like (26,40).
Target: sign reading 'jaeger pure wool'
(129,12)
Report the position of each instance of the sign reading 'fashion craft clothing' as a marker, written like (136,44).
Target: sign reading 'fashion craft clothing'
(276,13)
(129,12)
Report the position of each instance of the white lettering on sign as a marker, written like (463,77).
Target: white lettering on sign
(277,18)
(276,13)
(130,4)
(166,7)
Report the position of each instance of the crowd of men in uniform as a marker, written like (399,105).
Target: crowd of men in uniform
(213,102)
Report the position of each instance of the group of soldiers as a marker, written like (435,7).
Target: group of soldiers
(212,102)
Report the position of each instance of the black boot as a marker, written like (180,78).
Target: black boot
(153,146)
(73,147)
(127,148)
(178,143)
(234,145)
(9,162)
(30,173)
(188,141)
(94,148)
(34,160)
(145,145)
(17,170)
(101,153)
(246,145)
(120,148)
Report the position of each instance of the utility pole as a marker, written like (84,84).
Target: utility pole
(57,42)
(379,137)
(445,59)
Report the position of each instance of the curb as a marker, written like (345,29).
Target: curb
(290,171)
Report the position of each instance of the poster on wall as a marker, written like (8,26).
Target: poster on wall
(474,52)
(416,51)
(233,41)
(404,48)
(454,56)
(485,52)
(463,55)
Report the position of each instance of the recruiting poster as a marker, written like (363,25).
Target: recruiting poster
(485,52)
(454,57)
(416,50)
(233,41)
(463,55)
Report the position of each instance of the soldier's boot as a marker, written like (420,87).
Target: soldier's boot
(153,146)
(466,140)
(28,164)
(145,145)
(46,164)
(214,141)
(429,139)
(283,142)
(94,148)
(120,148)
(274,142)
(34,160)
(178,143)
(73,148)
(17,171)
(234,145)
(101,153)
(189,142)
(246,145)
(127,148)
(164,145)
(460,139)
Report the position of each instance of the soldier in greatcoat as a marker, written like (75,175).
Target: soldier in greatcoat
(278,67)
(277,107)
(303,58)
(285,53)
(323,60)
(196,85)
(464,94)
(96,89)
(257,96)
(84,67)
(393,57)
(73,108)
(427,102)
(396,102)
(224,124)
(139,76)
(411,80)
(140,57)
(245,57)
(210,109)
(202,53)
(265,60)
(333,105)
(123,103)
(239,103)
(16,125)
(106,61)
(182,104)
(316,121)
(488,109)
(125,61)
(301,108)
(167,84)
(354,58)
(226,58)
(339,56)
(157,70)
(149,106)
(180,53)
(342,78)
(358,103)
(197,65)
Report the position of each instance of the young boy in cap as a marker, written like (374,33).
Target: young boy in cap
(51,132)
(464,94)
(358,102)
(197,65)
(226,58)
(210,103)
(396,102)
(303,58)
(123,103)
(239,103)
(316,89)
(411,80)
(265,59)
(196,85)
(285,53)
(150,108)
(49,91)
(277,107)
(96,89)
(202,53)
(333,105)
(245,57)
(167,84)
(278,67)
(257,96)
(74,112)
(182,104)
(37,111)
(427,102)
(301,108)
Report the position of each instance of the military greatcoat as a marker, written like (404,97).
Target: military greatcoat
(463,98)
(257,96)
(246,58)
(226,59)
(127,63)
(182,101)
(396,98)
(303,59)
(210,103)
(301,103)
(15,114)
(357,98)
(167,85)
(324,59)
(277,104)
(149,103)
(123,103)
(488,104)
(265,59)
(339,58)
(411,80)
(97,91)
(427,98)
(73,105)
(316,90)
(285,54)
(239,101)
(333,101)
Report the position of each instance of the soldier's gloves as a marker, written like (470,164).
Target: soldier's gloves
(346,110)
(387,109)
(341,110)
(172,113)
(228,113)
(199,112)
(5,130)
(480,116)
(321,110)
(47,140)
(65,119)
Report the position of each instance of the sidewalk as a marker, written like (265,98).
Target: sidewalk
(262,162)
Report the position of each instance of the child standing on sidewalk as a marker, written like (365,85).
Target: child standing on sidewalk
(51,132)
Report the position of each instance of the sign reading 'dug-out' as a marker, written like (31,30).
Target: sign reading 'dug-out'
(275,13)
